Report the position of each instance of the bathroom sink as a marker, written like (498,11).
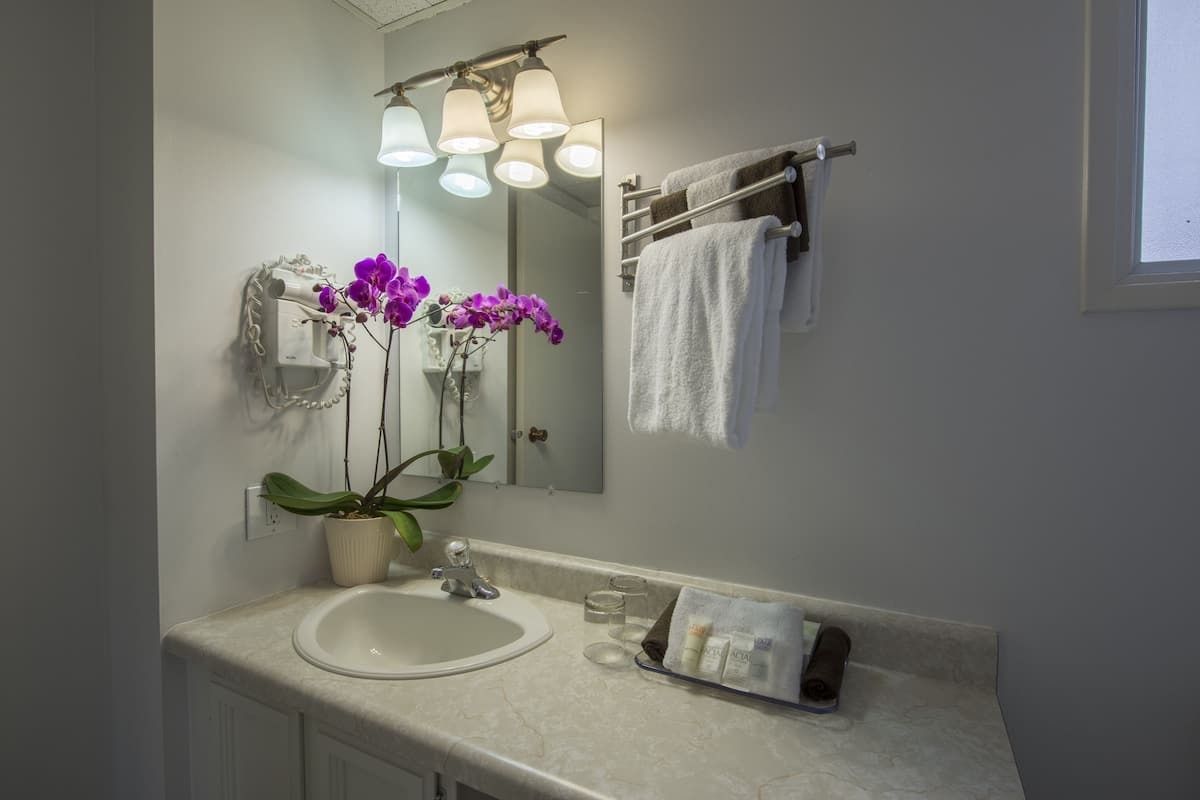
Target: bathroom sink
(416,631)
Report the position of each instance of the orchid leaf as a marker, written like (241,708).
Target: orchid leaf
(442,497)
(477,465)
(283,485)
(309,508)
(453,460)
(391,475)
(408,528)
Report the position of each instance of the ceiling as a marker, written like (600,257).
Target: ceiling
(389,15)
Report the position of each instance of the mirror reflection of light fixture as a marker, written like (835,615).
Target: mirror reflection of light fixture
(404,142)
(466,176)
(521,164)
(465,126)
(537,111)
(582,150)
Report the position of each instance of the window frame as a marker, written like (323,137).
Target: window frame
(1114,277)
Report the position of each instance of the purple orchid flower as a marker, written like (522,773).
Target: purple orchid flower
(327,298)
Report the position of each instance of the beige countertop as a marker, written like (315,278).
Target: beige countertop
(551,724)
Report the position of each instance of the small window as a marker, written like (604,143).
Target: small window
(1170,175)
(1142,215)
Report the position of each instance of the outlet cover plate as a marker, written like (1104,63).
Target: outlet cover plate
(264,518)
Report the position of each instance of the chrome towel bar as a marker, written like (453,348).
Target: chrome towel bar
(631,194)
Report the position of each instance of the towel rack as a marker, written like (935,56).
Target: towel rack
(631,194)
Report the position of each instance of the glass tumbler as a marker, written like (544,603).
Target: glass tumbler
(603,612)
(632,588)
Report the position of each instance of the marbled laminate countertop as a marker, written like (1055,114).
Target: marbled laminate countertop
(551,724)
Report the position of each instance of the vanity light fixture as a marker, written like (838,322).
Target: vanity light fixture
(465,126)
(466,176)
(537,107)
(404,142)
(582,151)
(521,164)
(486,91)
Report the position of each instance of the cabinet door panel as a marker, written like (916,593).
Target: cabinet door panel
(254,750)
(338,771)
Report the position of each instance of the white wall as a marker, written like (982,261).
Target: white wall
(955,438)
(265,135)
(54,702)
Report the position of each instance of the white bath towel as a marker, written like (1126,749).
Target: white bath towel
(711,188)
(699,316)
(781,622)
(802,294)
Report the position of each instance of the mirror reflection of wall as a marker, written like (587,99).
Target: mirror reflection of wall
(544,240)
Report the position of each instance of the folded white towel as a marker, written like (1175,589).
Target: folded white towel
(775,260)
(781,622)
(711,188)
(699,314)
(802,294)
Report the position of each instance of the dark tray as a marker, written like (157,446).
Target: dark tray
(802,704)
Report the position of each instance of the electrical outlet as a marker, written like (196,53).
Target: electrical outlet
(264,518)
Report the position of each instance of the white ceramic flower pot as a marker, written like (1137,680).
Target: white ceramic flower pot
(360,549)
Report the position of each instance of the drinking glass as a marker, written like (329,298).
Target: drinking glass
(603,612)
(632,588)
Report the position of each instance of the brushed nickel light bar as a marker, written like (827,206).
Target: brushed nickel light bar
(492,72)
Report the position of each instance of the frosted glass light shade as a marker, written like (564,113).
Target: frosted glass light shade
(404,142)
(466,176)
(521,164)
(537,111)
(465,126)
(582,150)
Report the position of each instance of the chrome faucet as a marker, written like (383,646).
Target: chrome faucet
(459,575)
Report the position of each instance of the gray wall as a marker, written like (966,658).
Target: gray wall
(264,143)
(54,698)
(955,438)
(125,262)
(77,574)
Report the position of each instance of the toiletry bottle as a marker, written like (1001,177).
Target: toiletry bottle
(712,659)
(697,632)
(760,664)
(738,662)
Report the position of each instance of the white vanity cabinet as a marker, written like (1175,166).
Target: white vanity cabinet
(336,770)
(244,749)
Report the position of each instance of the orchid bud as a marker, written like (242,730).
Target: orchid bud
(316,287)
(333,332)
(353,348)
(361,317)
(444,299)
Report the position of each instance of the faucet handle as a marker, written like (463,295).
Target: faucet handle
(458,552)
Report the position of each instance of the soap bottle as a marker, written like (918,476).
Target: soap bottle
(697,633)
(712,660)
(760,664)
(739,660)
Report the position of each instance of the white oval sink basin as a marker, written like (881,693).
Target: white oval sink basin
(416,631)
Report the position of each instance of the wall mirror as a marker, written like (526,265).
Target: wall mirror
(537,407)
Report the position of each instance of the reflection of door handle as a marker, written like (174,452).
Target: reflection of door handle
(537,434)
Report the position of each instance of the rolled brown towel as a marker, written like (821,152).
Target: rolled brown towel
(822,679)
(655,643)
(785,201)
(667,206)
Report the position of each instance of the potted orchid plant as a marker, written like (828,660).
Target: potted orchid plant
(360,528)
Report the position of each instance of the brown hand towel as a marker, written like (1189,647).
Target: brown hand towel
(785,201)
(667,206)
(655,643)
(822,679)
